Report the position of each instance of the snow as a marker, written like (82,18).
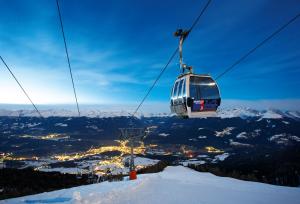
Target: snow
(270,114)
(115,168)
(242,135)
(202,137)
(245,113)
(238,112)
(156,152)
(255,133)
(87,112)
(196,162)
(94,127)
(293,114)
(173,185)
(284,138)
(61,124)
(97,112)
(31,125)
(202,156)
(143,161)
(221,157)
(226,131)
(239,144)
(163,134)
(34,163)
(63,170)
(275,137)
(297,139)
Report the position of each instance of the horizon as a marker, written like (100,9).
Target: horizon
(163,107)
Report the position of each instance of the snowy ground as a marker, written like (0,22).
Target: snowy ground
(173,185)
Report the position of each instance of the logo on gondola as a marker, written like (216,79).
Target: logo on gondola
(198,105)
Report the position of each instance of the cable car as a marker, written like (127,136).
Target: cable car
(193,95)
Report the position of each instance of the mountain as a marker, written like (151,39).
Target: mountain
(97,113)
(175,184)
(245,144)
(234,131)
(270,139)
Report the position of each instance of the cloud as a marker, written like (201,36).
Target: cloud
(104,78)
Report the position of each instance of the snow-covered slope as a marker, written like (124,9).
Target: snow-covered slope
(173,185)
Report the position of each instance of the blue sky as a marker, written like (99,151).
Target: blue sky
(117,48)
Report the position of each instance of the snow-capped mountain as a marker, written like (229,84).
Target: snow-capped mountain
(97,113)
(174,185)
(235,128)
(263,114)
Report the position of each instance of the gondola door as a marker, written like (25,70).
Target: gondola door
(180,97)
(204,95)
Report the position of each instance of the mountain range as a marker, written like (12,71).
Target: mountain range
(222,113)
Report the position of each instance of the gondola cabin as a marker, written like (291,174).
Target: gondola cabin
(195,96)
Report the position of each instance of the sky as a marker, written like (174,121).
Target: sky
(117,48)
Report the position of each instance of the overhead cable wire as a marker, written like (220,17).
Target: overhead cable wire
(258,46)
(170,59)
(67,55)
(26,94)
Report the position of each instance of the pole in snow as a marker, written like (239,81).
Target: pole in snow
(133,135)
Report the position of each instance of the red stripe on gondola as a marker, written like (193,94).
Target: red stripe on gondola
(201,104)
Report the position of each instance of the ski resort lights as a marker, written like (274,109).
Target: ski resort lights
(211,149)
(122,148)
(10,157)
(53,136)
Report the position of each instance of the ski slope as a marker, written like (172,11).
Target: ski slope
(173,185)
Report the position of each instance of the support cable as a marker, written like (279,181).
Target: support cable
(171,58)
(258,46)
(67,55)
(26,94)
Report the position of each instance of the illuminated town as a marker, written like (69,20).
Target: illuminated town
(53,136)
(94,159)
(108,159)
(122,148)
